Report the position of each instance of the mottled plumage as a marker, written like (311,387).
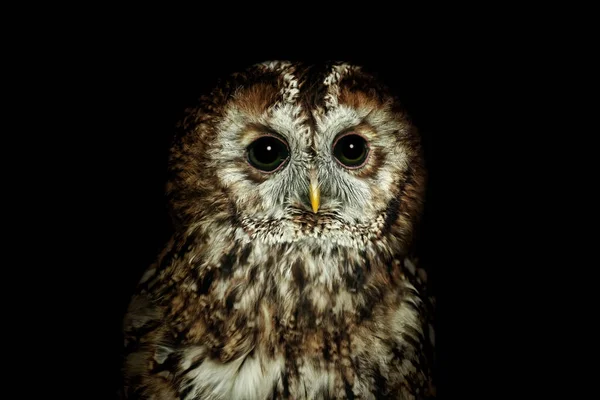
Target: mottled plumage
(259,296)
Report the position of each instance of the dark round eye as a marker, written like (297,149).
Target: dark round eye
(351,150)
(267,153)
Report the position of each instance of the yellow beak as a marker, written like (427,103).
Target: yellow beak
(314,192)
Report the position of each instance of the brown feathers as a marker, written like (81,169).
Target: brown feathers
(260,297)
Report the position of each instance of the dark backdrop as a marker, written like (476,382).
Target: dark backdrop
(136,86)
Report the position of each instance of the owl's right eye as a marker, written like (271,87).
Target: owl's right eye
(268,153)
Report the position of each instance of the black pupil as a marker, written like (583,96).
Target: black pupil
(351,147)
(266,150)
(267,153)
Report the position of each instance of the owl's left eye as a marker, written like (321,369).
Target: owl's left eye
(268,153)
(351,150)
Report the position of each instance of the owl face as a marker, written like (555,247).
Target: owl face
(296,153)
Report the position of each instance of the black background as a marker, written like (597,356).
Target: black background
(132,86)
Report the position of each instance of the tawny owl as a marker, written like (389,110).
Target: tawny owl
(295,191)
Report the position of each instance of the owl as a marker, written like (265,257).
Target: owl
(294,191)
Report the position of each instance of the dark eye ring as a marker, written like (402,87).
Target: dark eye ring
(351,150)
(268,153)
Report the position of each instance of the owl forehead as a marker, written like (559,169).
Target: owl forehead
(308,103)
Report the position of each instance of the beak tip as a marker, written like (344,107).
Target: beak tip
(315,201)
(314,194)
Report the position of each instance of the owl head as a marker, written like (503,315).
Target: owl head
(290,153)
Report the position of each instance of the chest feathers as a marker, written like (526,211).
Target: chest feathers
(276,321)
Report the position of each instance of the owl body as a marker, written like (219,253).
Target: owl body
(294,193)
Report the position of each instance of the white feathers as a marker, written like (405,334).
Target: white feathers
(191,354)
(332,81)
(315,380)
(344,302)
(274,65)
(335,121)
(406,316)
(162,353)
(247,378)
(290,89)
